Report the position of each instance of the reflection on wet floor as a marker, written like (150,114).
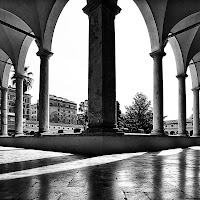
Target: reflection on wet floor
(170,174)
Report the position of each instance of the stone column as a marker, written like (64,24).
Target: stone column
(44,90)
(19,104)
(4,112)
(196,111)
(157,56)
(181,105)
(102,77)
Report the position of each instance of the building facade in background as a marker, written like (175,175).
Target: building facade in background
(61,110)
(27,106)
(34,112)
(26,103)
(171,127)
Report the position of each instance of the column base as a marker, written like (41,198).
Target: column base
(18,133)
(102,132)
(43,131)
(158,132)
(195,136)
(4,130)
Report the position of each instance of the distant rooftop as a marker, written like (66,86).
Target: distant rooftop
(60,99)
(176,121)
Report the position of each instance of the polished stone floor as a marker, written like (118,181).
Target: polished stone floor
(40,175)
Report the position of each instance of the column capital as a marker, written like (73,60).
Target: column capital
(4,89)
(92,5)
(195,89)
(159,52)
(44,53)
(184,75)
(19,76)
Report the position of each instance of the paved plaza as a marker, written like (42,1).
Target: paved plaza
(27,174)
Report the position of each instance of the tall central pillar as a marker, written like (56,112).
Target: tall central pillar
(102,76)
(181,105)
(19,104)
(4,114)
(196,111)
(157,56)
(44,90)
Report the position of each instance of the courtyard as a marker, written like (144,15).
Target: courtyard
(28,174)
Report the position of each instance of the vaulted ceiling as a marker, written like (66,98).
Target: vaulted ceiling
(39,17)
(181,20)
(35,17)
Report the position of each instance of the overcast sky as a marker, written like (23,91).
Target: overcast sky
(134,66)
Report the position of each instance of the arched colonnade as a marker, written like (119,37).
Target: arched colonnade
(174,21)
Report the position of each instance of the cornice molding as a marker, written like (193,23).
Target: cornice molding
(19,76)
(184,75)
(196,89)
(159,52)
(93,5)
(4,89)
(44,53)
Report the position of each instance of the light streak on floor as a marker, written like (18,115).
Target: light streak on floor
(69,165)
(195,147)
(170,152)
(18,154)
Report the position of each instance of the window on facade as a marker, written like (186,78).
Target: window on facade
(171,125)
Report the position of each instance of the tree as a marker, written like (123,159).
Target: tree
(164,122)
(120,123)
(28,80)
(139,115)
(83,108)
